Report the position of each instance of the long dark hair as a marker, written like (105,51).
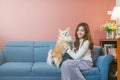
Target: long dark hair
(87,36)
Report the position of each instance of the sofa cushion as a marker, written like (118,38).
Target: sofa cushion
(41,50)
(44,69)
(97,51)
(19,51)
(2,58)
(16,69)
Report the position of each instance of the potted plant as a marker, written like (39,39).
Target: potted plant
(109,28)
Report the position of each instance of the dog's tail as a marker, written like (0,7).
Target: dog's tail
(49,58)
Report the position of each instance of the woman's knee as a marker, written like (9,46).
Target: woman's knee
(68,63)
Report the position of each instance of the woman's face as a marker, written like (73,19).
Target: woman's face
(81,32)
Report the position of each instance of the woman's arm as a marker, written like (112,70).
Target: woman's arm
(81,51)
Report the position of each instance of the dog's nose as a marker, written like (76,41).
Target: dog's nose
(65,34)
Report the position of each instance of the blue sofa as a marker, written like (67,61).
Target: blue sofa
(26,60)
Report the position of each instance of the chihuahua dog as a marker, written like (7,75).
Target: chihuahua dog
(55,55)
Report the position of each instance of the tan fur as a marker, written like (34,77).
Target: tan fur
(57,52)
(64,39)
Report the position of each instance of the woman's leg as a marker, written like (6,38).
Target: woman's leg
(65,73)
(84,64)
(65,57)
(73,69)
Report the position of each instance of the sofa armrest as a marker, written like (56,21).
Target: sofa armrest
(103,63)
(1,57)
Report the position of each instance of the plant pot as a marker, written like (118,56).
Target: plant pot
(110,34)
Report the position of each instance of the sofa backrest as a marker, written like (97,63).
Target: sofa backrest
(34,51)
(18,51)
(41,49)
(97,51)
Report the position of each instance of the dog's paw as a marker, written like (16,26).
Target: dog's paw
(49,58)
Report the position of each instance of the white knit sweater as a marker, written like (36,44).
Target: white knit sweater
(83,53)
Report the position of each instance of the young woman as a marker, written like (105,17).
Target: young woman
(71,68)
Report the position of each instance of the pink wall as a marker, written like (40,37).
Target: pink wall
(41,19)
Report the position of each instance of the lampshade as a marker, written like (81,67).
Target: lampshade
(115,13)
